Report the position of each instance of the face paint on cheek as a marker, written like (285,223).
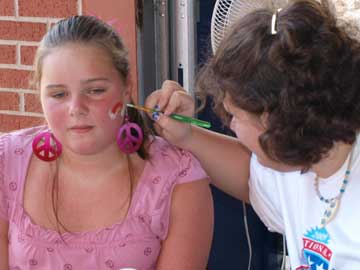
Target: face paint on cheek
(118,107)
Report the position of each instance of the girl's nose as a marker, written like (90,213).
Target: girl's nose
(77,106)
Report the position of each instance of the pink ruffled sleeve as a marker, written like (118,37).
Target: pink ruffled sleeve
(3,201)
(189,168)
(177,167)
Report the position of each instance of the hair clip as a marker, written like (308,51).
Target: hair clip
(273,22)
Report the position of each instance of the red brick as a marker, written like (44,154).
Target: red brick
(9,101)
(13,122)
(32,103)
(11,78)
(7,8)
(25,31)
(7,54)
(48,8)
(27,54)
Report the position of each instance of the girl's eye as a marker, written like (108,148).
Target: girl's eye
(96,91)
(58,95)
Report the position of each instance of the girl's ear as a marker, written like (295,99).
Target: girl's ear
(126,95)
(264,119)
(128,86)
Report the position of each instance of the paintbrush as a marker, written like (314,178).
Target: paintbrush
(178,117)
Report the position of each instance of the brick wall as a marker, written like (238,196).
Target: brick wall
(22,25)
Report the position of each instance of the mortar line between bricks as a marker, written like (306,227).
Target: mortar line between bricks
(15,42)
(18,57)
(29,19)
(16,67)
(21,102)
(15,113)
(16,8)
(19,90)
(80,7)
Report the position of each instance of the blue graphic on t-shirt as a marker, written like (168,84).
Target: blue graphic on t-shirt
(316,253)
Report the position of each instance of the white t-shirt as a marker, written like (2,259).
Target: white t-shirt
(287,203)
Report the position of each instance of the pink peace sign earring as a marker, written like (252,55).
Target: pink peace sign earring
(129,137)
(46,147)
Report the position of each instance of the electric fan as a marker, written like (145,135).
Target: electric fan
(226,12)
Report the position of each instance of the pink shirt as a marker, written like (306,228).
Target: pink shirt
(134,242)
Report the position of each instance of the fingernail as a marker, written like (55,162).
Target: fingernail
(155,116)
(156,107)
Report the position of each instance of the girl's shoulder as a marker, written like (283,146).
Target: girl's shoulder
(13,144)
(165,157)
(21,135)
(15,152)
(16,144)
(162,150)
(159,144)
(167,167)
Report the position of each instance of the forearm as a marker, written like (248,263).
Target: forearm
(225,160)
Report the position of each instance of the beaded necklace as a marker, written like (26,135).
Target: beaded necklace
(333,203)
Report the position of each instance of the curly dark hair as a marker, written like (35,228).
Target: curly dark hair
(306,77)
